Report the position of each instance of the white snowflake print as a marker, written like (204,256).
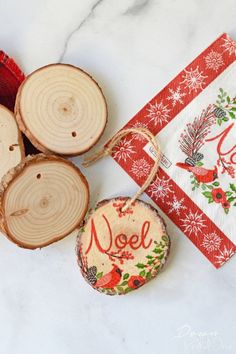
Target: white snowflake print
(176,205)
(193,79)
(160,188)
(229,45)
(123,150)
(211,242)
(176,96)
(136,136)
(140,168)
(214,60)
(224,255)
(158,113)
(193,223)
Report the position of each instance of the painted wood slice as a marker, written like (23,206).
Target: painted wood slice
(61,109)
(121,251)
(11,143)
(43,199)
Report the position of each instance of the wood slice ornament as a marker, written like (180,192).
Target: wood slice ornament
(42,200)
(11,143)
(123,242)
(61,109)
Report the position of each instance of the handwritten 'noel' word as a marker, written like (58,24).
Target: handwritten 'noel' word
(222,137)
(120,241)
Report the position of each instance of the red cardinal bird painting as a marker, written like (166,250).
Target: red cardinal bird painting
(111,279)
(201,174)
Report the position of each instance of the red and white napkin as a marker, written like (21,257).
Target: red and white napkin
(194,119)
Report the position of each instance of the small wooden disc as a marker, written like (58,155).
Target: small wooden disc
(43,199)
(11,144)
(61,109)
(120,251)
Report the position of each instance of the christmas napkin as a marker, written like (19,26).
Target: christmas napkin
(194,119)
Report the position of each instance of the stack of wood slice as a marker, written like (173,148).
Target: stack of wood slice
(11,143)
(61,110)
(42,200)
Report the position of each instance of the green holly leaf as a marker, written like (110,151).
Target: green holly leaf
(233,187)
(149,257)
(225,119)
(231,199)
(140,265)
(142,273)
(232,115)
(126,276)
(228,193)
(199,163)
(127,290)
(216,184)
(228,99)
(219,121)
(209,186)
(210,200)
(204,187)
(99,275)
(234,204)
(226,211)
(150,262)
(124,283)
(207,194)
(165,239)
(193,189)
(233,109)
(119,288)
(148,275)
(157,250)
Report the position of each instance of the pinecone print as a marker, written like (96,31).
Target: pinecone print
(197,156)
(91,275)
(219,112)
(190,161)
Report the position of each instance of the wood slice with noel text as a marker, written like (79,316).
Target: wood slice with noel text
(61,109)
(42,200)
(121,251)
(11,143)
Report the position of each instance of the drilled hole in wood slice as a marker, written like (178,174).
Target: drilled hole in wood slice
(37,214)
(11,147)
(76,107)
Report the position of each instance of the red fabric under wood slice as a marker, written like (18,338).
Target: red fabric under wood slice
(11,77)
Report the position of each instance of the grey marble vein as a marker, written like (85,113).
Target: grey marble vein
(137,7)
(78,27)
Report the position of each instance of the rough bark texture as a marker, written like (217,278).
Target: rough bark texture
(45,196)
(76,107)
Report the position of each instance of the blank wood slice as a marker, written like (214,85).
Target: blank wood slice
(43,199)
(11,144)
(61,109)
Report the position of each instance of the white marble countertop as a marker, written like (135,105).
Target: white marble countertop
(133,48)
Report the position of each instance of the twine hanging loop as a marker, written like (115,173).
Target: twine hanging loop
(108,149)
